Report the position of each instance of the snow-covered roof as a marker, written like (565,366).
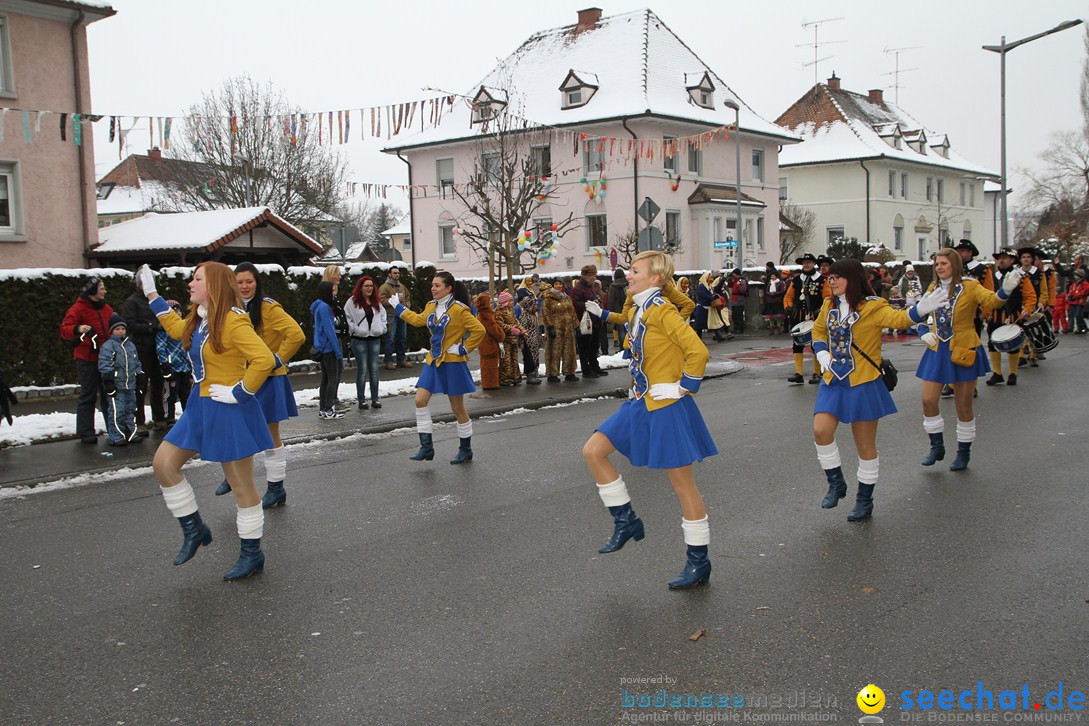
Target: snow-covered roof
(192,230)
(640,67)
(402,227)
(839,125)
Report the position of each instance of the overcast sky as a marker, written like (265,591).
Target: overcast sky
(156,57)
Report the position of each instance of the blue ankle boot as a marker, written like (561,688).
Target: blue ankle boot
(251,560)
(964,453)
(196,534)
(863,503)
(223,488)
(427,449)
(837,487)
(697,570)
(465,451)
(275,496)
(937,449)
(628,525)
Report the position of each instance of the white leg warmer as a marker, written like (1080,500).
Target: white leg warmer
(868,470)
(180,499)
(250,521)
(275,463)
(933,424)
(696,532)
(966,431)
(615,494)
(423,420)
(465,430)
(828,456)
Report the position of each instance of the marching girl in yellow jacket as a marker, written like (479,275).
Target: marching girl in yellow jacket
(954,355)
(659,426)
(222,421)
(847,345)
(448,320)
(284,337)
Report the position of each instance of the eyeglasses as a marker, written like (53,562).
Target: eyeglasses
(834,278)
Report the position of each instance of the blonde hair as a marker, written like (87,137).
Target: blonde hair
(954,259)
(330,273)
(658,264)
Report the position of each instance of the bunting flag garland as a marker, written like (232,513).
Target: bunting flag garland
(77,129)
(166,133)
(63,125)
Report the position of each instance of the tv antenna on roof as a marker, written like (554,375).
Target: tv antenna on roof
(816,44)
(896,73)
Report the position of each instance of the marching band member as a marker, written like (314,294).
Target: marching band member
(1021,302)
(954,354)
(802,301)
(847,344)
(448,318)
(223,421)
(659,426)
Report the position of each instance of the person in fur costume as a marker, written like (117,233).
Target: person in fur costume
(559,318)
(509,373)
(529,320)
(489,347)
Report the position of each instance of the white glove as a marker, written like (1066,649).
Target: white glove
(394,301)
(593,308)
(1012,280)
(825,359)
(934,300)
(145,278)
(930,340)
(221,393)
(664,391)
(457,349)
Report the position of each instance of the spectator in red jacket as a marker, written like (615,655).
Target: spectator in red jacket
(86,328)
(1076,295)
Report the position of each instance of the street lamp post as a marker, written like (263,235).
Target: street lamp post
(730,103)
(1003,48)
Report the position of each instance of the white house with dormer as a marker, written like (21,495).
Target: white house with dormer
(867,169)
(616,103)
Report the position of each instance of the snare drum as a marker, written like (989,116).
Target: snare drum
(1040,333)
(1008,338)
(802,333)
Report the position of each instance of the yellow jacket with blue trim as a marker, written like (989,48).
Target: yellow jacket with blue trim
(663,349)
(957,322)
(861,327)
(670,291)
(281,334)
(446,330)
(246,360)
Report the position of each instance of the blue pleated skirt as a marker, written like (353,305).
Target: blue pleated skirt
(452,378)
(220,431)
(666,438)
(938,366)
(864,402)
(277,399)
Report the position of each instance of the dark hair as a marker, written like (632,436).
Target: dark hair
(254,311)
(461,293)
(858,286)
(360,299)
(325,292)
(618,274)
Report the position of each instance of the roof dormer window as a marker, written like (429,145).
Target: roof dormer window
(487,106)
(890,134)
(941,145)
(701,91)
(578,88)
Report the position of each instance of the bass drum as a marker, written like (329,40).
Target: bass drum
(1008,338)
(1040,333)
(802,333)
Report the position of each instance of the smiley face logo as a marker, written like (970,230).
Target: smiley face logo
(871,699)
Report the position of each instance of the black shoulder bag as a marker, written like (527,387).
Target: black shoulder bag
(888,371)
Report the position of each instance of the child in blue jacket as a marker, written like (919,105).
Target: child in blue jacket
(119,366)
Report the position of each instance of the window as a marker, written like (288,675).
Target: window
(7,78)
(834,234)
(898,234)
(695,161)
(760,234)
(669,159)
(941,190)
(490,167)
(542,228)
(930,189)
(673,228)
(10,207)
(892,183)
(971,195)
(758,165)
(718,230)
(706,99)
(963,193)
(541,159)
(904,185)
(574,98)
(597,231)
(783,189)
(444,175)
(446,241)
(406,244)
(592,160)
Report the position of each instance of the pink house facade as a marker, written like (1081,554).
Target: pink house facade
(47,185)
(620,99)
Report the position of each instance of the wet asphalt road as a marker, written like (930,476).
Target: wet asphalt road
(398,592)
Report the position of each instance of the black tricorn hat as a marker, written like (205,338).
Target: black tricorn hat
(966,244)
(825,259)
(808,256)
(1007,252)
(1034,251)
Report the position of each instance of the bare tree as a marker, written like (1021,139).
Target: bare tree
(626,245)
(250,147)
(805,220)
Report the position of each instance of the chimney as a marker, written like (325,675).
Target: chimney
(155,153)
(588,19)
(833,82)
(877,96)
